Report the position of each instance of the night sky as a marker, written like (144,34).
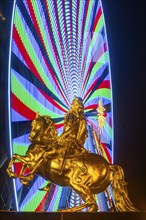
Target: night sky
(126,31)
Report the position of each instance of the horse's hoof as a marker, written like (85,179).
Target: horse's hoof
(65,210)
(46,188)
(24,182)
(93,208)
(13,175)
(28,177)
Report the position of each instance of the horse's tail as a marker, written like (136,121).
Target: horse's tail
(122,201)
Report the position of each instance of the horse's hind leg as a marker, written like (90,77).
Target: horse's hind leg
(31,174)
(81,186)
(86,195)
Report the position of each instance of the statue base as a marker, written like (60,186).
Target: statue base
(7,215)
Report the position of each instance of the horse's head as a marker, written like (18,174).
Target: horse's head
(42,128)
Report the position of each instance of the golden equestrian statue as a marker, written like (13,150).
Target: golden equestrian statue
(64,161)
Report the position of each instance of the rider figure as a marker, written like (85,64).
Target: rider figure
(74,133)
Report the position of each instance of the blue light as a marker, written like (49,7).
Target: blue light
(9,107)
(111,86)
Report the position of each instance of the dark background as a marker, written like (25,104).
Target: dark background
(126,32)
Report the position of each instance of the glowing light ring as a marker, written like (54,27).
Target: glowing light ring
(59,51)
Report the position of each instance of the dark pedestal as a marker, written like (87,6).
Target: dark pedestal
(4,215)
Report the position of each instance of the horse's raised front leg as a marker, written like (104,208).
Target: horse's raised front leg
(31,174)
(20,158)
(23,181)
(9,169)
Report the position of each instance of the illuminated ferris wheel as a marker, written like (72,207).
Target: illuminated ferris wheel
(58,51)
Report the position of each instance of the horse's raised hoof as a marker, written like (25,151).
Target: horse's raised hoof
(24,182)
(13,175)
(28,177)
(46,188)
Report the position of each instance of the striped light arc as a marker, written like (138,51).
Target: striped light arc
(59,51)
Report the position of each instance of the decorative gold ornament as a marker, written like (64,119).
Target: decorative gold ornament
(64,161)
(100,115)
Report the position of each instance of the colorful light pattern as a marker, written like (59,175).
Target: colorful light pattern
(59,51)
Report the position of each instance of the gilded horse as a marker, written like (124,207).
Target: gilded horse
(86,173)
